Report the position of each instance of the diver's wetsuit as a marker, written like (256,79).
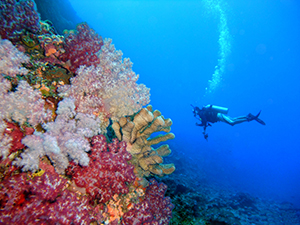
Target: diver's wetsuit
(208,115)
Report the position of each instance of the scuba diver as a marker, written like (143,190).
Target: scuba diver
(211,114)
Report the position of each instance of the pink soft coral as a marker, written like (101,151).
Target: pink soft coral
(11,59)
(65,139)
(108,90)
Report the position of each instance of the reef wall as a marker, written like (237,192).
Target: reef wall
(61,91)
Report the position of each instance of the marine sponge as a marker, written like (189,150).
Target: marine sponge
(136,131)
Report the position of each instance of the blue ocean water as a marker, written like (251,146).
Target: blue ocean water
(249,50)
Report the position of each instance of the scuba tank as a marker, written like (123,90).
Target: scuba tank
(218,109)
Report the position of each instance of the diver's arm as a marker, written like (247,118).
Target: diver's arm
(200,124)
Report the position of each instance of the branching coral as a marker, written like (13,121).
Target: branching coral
(136,131)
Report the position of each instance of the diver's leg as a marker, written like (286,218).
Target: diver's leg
(232,121)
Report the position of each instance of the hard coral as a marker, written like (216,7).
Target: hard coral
(108,171)
(136,131)
(18,16)
(81,47)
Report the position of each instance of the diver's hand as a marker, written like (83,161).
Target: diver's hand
(206,137)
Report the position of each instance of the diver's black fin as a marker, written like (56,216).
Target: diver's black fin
(259,120)
(257,114)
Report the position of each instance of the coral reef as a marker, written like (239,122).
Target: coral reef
(40,200)
(58,96)
(139,215)
(64,139)
(136,131)
(108,90)
(11,59)
(81,47)
(160,206)
(210,205)
(108,171)
(154,209)
(61,15)
(25,105)
(16,135)
(46,197)
(52,45)
(5,140)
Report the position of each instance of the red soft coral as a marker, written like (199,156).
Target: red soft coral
(81,47)
(108,172)
(18,16)
(42,200)
(16,135)
(155,209)
(160,206)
